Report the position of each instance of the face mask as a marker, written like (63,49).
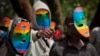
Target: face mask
(79,22)
(52,25)
(21,37)
(5,22)
(43,19)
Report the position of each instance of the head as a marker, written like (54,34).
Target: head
(71,30)
(80,23)
(43,14)
(20,36)
(76,25)
(5,22)
(52,25)
(4,25)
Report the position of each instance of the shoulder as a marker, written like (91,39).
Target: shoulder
(58,46)
(95,29)
(57,49)
(90,47)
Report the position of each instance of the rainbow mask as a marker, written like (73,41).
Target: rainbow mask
(52,25)
(43,18)
(79,22)
(21,37)
(5,22)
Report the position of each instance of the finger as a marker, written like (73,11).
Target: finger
(49,31)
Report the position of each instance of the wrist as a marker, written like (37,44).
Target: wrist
(38,35)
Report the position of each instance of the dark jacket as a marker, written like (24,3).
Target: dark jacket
(95,38)
(63,49)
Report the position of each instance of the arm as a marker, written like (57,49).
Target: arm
(36,34)
(24,9)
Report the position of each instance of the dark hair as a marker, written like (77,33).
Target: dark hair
(68,20)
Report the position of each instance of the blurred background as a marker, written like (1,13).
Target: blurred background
(59,9)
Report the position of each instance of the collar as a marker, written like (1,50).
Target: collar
(78,46)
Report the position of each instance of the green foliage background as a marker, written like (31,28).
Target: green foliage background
(89,6)
(67,6)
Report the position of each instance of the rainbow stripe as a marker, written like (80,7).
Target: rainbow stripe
(18,43)
(52,25)
(5,22)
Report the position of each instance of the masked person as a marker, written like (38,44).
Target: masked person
(73,44)
(23,9)
(4,25)
(43,19)
(20,39)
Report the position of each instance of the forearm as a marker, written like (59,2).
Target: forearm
(28,12)
(35,36)
(26,7)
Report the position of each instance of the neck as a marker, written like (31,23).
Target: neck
(78,44)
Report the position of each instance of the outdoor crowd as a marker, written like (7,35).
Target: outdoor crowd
(35,34)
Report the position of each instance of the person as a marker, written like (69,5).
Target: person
(95,32)
(12,36)
(73,45)
(24,9)
(43,19)
(58,33)
(4,25)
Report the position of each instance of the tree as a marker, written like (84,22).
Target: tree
(96,19)
(56,10)
(5,8)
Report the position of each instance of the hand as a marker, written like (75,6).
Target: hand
(45,33)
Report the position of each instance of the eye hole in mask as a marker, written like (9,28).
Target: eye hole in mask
(18,34)
(80,25)
(21,33)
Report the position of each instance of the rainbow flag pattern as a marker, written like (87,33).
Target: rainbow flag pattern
(43,18)
(21,37)
(80,23)
(5,22)
(52,25)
